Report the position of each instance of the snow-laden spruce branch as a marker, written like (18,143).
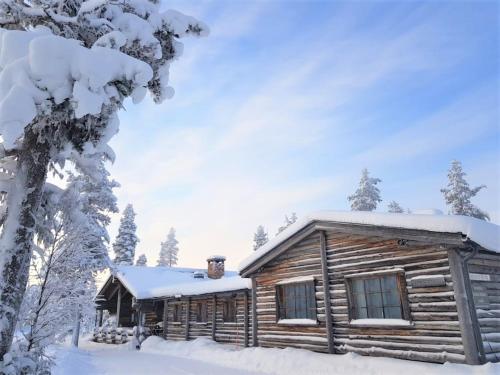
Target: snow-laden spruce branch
(65,69)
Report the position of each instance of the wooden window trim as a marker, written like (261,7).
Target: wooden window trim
(225,310)
(177,315)
(402,290)
(201,312)
(282,320)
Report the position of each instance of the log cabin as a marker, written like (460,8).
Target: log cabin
(418,287)
(176,303)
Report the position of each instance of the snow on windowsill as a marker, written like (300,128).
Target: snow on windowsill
(381,322)
(299,279)
(298,322)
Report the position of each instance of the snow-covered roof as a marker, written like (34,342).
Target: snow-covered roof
(482,232)
(152,282)
(203,286)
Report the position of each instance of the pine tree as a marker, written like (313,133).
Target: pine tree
(70,250)
(126,241)
(142,261)
(395,208)
(458,193)
(69,65)
(367,196)
(169,250)
(260,237)
(288,221)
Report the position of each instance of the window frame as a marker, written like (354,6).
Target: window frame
(201,313)
(177,312)
(401,288)
(229,305)
(281,286)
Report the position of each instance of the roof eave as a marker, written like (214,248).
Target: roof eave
(454,239)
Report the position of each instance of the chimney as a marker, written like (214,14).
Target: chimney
(216,266)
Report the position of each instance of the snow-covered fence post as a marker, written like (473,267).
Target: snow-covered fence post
(118,305)
(76,329)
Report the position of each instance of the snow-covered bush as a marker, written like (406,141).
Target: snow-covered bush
(260,237)
(142,261)
(288,221)
(395,208)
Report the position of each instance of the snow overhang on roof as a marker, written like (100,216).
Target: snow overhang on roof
(481,232)
(156,282)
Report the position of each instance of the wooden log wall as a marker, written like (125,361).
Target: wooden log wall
(232,332)
(225,332)
(434,333)
(303,259)
(484,273)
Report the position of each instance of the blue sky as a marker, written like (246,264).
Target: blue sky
(280,108)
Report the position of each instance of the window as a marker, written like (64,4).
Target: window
(229,310)
(296,301)
(201,312)
(377,297)
(177,313)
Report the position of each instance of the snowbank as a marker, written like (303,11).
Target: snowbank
(299,362)
(482,232)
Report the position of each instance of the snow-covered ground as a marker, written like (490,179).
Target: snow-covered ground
(103,359)
(202,356)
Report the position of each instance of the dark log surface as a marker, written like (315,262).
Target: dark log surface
(434,333)
(484,273)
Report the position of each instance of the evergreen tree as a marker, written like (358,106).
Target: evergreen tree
(395,208)
(169,250)
(71,239)
(142,261)
(367,196)
(458,193)
(260,237)
(69,66)
(126,241)
(288,221)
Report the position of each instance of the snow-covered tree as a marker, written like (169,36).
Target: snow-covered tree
(142,261)
(126,240)
(260,237)
(458,193)
(367,195)
(288,221)
(395,208)
(70,249)
(169,251)
(67,66)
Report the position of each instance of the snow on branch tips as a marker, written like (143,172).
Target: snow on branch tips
(66,68)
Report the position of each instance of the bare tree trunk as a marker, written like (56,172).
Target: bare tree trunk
(17,236)
(76,328)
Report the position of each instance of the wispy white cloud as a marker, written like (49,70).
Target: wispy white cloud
(255,133)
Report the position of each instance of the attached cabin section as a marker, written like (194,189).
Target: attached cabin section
(338,288)
(224,317)
(175,303)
